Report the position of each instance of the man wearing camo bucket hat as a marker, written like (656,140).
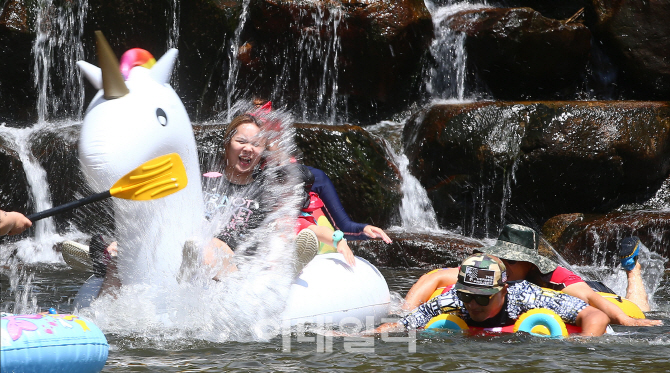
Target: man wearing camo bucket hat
(518,243)
(483,298)
(518,247)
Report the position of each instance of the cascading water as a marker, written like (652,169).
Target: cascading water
(38,249)
(320,55)
(315,53)
(56,49)
(232,90)
(173,34)
(447,78)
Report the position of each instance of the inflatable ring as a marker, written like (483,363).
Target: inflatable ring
(541,322)
(629,308)
(51,342)
(447,321)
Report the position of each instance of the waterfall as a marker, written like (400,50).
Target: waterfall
(36,175)
(173,37)
(173,32)
(56,49)
(416,210)
(234,64)
(318,54)
(447,78)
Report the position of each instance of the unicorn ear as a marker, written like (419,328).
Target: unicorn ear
(92,73)
(162,70)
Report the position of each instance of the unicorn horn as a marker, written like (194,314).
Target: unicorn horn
(112,81)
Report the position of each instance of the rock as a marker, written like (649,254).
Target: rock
(367,181)
(18,96)
(206,29)
(636,35)
(551,9)
(416,250)
(593,239)
(529,161)
(364,57)
(57,153)
(14,194)
(554,228)
(519,54)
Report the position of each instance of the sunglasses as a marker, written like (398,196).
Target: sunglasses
(512,262)
(482,300)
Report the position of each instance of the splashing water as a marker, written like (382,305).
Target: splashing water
(614,277)
(244,304)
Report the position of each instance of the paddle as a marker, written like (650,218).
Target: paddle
(154,179)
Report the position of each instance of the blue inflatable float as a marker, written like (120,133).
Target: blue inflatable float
(51,343)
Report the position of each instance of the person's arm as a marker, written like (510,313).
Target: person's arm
(325,235)
(13,222)
(335,212)
(571,310)
(584,292)
(426,286)
(592,321)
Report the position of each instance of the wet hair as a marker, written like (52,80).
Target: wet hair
(307,177)
(231,130)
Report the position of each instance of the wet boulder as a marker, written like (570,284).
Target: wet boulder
(362,55)
(529,161)
(636,36)
(416,250)
(206,29)
(562,10)
(17,93)
(519,54)
(588,239)
(14,194)
(57,153)
(362,171)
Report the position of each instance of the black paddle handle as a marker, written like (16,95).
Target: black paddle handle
(69,206)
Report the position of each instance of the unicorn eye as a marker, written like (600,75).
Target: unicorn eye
(162,117)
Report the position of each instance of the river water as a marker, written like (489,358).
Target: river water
(157,350)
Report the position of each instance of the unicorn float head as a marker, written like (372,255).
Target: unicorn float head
(135,117)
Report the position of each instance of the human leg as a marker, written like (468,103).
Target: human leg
(629,249)
(218,255)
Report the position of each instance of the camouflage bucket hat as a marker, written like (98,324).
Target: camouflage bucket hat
(481,274)
(520,243)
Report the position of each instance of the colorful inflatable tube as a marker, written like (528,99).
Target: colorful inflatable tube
(51,343)
(539,322)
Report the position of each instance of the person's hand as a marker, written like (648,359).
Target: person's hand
(343,248)
(13,223)
(375,232)
(630,321)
